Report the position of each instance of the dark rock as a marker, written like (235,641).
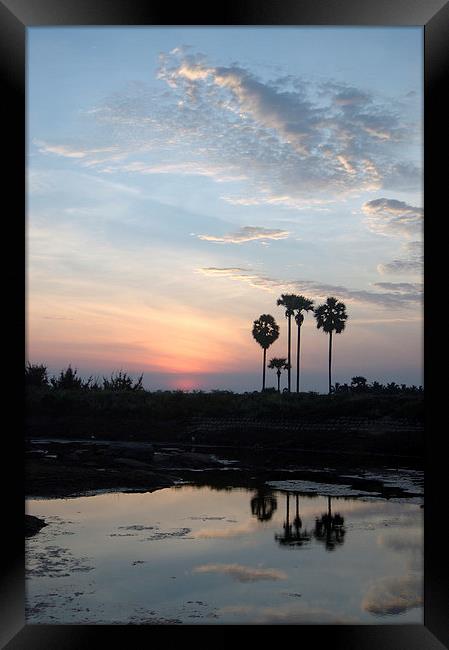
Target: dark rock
(33,525)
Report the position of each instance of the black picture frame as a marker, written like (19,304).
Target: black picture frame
(15,17)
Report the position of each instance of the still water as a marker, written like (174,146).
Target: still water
(199,555)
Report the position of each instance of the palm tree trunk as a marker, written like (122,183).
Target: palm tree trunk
(264,364)
(330,361)
(289,346)
(279,380)
(297,358)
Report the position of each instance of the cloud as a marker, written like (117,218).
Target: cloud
(242,573)
(391,295)
(67,151)
(411,263)
(400,287)
(287,138)
(393,218)
(247,233)
(220,173)
(389,596)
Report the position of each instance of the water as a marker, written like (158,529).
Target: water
(198,555)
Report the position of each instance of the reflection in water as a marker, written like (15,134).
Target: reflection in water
(263,504)
(160,557)
(293,534)
(329,528)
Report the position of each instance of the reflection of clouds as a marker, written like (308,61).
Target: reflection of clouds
(223,533)
(295,613)
(390,596)
(242,573)
(411,543)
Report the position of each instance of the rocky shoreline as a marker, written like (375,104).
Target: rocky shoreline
(56,468)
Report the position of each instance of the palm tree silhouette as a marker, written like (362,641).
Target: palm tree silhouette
(265,331)
(280,364)
(301,304)
(331,317)
(289,301)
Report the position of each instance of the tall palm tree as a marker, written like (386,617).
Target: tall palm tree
(265,331)
(280,364)
(301,304)
(289,301)
(331,317)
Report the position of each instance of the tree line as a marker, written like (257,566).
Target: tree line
(330,317)
(36,375)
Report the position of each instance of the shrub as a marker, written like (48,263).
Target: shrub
(68,380)
(36,375)
(122,382)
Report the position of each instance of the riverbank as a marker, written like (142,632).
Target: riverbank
(56,468)
(81,441)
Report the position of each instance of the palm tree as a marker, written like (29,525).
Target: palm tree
(302,304)
(289,301)
(280,364)
(265,331)
(331,317)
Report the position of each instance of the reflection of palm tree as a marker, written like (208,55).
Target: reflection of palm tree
(302,304)
(280,364)
(290,537)
(263,504)
(330,528)
(331,317)
(265,331)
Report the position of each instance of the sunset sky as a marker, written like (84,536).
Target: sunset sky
(180,180)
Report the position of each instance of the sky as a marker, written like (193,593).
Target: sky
(179,180)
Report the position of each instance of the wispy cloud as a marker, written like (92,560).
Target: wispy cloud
(392,295)
(246,234)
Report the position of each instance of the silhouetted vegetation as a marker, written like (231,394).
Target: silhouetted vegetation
(289,301)
(266,332)
(68,380)
(302,304)
(331,317)
(69,407)
(122,382)
(360,385)
(280,364)
(36,375)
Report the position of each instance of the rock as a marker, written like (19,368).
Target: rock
(33,525)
